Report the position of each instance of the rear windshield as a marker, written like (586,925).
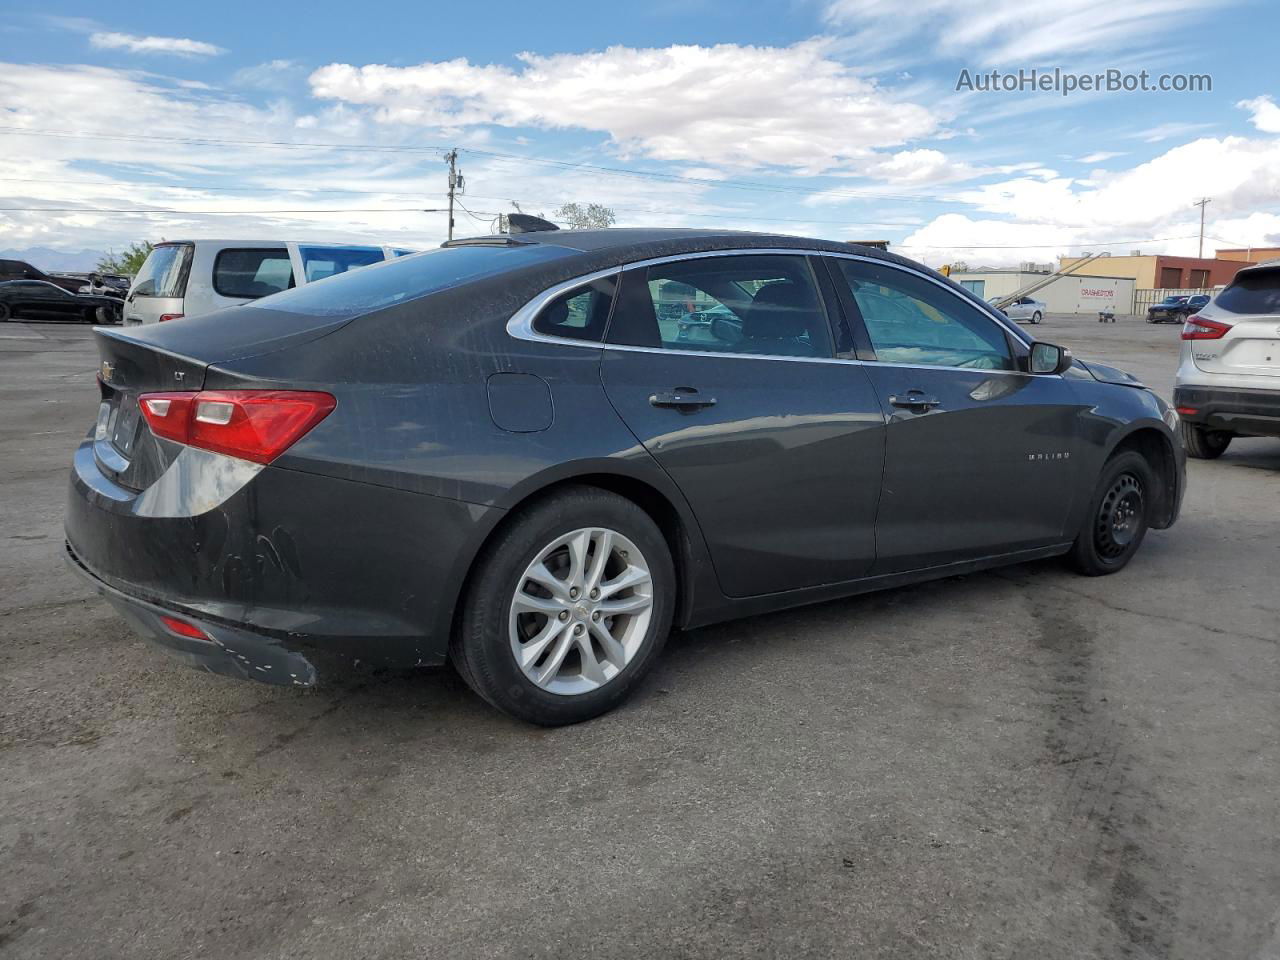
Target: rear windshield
(407,278)
(164,273)
(321,262)
(1255,291)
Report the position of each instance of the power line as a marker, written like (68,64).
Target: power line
(1035,246)
(219,141)
(623,172)
(174,186)
(150,210)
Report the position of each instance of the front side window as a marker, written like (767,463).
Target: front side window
(252,273)
(164,272)
(910,320)
(766,305)
(580,313)
(321,262)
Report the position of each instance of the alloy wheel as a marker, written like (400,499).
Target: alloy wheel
(581,611)
(1119,518)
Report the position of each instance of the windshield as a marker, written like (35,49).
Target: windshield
(406,278)
(164,274)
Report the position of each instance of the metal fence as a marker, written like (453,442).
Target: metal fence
(1143,299)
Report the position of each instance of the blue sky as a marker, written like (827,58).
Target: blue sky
(836,118)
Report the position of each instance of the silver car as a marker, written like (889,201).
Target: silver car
(1228,382)
(1025,310)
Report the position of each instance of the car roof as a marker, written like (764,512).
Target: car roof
(634,238)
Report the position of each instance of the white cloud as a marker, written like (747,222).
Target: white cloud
(179,46)
(1264,113)
(1006,32)
(741,106)
(1102,156)
(1167,131)
(274,75)
(1151,200)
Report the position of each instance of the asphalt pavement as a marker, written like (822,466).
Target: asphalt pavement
(1018,764)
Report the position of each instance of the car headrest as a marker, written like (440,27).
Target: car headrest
(780,311)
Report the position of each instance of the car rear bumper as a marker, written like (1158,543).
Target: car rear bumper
(1249,412)
(297,570)
(229,651)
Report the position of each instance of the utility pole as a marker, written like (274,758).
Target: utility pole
(456,183)
(1201,205)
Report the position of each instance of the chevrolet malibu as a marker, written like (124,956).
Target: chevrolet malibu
(501,455)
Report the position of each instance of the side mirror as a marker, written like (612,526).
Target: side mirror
(1048,358)
(725,330)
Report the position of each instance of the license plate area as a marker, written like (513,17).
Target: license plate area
(122,426)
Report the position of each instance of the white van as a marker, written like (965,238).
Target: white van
(190,277)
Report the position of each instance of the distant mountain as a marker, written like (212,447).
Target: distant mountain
(51,261)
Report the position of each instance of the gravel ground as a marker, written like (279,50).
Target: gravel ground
(1017,764)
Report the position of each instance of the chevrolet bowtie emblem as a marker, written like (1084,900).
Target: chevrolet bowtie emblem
(108,370)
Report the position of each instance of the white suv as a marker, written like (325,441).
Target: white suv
(191,277)
(1228,382)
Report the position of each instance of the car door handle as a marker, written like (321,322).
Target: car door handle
(916,402)
(682,400)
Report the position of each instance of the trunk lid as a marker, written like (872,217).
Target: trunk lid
(175,357)
(124,447)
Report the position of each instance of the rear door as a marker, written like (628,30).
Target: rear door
(981,457)
(777,445)
(160,286)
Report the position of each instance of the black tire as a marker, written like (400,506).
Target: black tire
(5,313)
(1201,442)
(481,648)
(1117,520)
(1035,317)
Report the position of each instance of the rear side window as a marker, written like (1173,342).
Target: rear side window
(1257,291)
(321,262)
(164,272)
(757,304)
(580,314)
(252,273)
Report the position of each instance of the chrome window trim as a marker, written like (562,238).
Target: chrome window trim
(520,326)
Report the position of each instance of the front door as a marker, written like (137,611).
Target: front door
(981,456)
(722,367)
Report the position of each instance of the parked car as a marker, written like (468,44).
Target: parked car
(495,454)
(1026,309)
(700,318)
(1175,308)
(37,300)
(1228,382)
(107,285)
(21,270)
(193,277)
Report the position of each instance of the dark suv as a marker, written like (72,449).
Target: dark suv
(21,270)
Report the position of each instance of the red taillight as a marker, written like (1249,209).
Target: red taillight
(1186,411)
(1202,328)
(166,317)
(256,425)
(184,629)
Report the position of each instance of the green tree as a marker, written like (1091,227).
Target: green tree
(581,216)
(127,263)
